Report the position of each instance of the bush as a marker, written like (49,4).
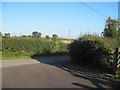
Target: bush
(90,52)
(28,46)
(111,42)
(24,44)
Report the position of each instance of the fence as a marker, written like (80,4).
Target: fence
(116,59)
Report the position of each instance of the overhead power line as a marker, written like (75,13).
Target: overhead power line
(91,8)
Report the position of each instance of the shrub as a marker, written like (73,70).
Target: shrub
(24,44)
(55,44)
(28,46)
(112,42)
(90,52)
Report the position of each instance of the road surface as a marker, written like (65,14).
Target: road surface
(48,73)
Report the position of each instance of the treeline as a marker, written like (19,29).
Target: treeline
(35,34)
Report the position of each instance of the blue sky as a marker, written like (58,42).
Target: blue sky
(56,17)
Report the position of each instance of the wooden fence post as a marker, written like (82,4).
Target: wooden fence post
(118,63)
(115,59)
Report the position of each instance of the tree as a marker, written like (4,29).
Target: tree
(47,37)
(29,36)
(36,34)
(7,34)
(1,34)
(39,34)
(111,28)
(55,43)
(55,36)
(24,36)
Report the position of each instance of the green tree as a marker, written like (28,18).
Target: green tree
(29,36)
(47,37)
(1,34)
(7,34)
(55,43)
(24,36)
(111,28)
(55,36)
(36,34)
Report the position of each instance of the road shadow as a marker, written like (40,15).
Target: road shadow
(64,63)
(49,54)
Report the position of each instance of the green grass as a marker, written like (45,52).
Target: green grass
(15,55)
(65,39)
(26,55)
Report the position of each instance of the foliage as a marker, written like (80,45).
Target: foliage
(92,51)
(111,42)
(55,44)
(111,28)
(29,36)
(24,44)
(36,34)
(55,36)
(1,34)
(7,34)
(14,47)
(24,36)
(47,37)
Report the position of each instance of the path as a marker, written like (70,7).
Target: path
(48,73)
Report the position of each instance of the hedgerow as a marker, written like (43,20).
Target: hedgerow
(93,51)
(15,44)
(24,45)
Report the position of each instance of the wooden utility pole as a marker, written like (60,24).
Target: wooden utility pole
(69,36)
(116,59)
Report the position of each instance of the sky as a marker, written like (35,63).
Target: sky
(22,18)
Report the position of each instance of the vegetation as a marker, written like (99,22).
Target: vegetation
(1,34)
(24,46)
(94,50)
(47,37)
(7,34)
(111,28)
(88,50)
(55,43)
(36,34)
(91,52)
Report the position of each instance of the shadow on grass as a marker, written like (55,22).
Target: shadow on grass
(65,64)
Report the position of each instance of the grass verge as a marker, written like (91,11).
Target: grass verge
(23,55)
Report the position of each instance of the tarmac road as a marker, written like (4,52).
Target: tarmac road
(48,73)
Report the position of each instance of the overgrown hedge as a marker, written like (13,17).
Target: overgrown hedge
(28,45)
(92,51)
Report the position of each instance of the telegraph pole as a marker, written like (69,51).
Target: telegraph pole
(69,36)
